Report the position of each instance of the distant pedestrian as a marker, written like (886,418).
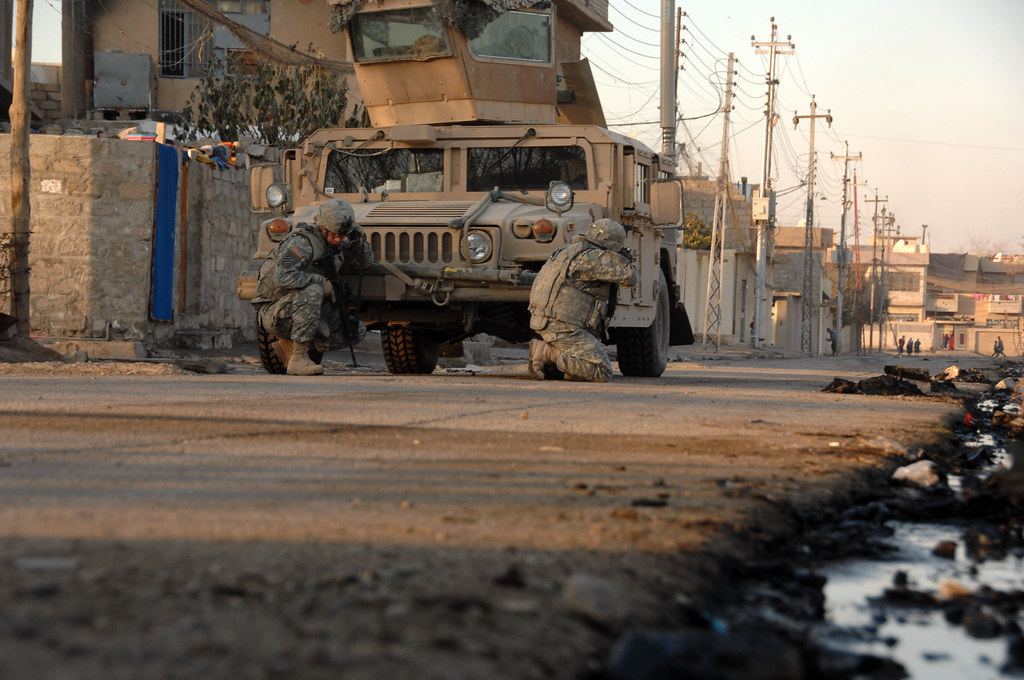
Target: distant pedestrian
(917,346)
(899,345)
(945,340)
(910,346)
(998,348)
(952,343)
(832,339)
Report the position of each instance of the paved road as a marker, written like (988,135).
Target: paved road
(242,525)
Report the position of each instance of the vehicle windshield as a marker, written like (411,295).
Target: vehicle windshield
(390,171)
(414,33)
(524,36)
(526,168)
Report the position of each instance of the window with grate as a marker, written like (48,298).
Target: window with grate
(904,281)
(242,6)
(183,37)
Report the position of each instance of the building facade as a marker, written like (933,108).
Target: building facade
(138,60)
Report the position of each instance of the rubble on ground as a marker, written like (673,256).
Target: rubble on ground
(955,373)
(905,381)
(923,473)
(883,385)
(908,373)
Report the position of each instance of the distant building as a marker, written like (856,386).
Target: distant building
(971,298)
(786,280)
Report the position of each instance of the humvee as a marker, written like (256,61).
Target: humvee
(471,176)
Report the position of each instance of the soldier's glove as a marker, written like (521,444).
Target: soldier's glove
(628,254)
(328,288)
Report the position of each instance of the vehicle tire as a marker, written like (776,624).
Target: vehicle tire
(267,346)
(409,350)
(643,352)
(275,353)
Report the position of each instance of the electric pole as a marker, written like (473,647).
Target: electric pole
(76,56)
(766,217)
(669,48)
(21,168)
(875,271)
(888,220)
(808,305)
(846,158)
(713,297)
(858,271)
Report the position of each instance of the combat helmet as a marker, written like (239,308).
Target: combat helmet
(607,233)
(335,215)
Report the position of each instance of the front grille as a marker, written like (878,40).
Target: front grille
(423,213)
(414,246)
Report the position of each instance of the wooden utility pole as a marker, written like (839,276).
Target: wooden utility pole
(808,305)
(713,296)
(842,246)
(20,168)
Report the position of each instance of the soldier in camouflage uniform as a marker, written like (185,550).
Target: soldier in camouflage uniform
(293,295)
(569,303)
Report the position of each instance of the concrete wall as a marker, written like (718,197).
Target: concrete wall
(92,214)
(967,339)
(90,253)
(219,244)
(736,312)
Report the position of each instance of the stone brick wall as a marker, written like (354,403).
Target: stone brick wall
(92,217)
(219,244)
(45,98)
(91,239)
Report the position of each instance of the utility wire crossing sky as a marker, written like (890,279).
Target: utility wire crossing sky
(928,92)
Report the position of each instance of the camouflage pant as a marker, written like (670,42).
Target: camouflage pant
(305,316)
(581,356)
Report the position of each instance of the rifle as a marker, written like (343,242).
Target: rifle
(343,301)
(613,298)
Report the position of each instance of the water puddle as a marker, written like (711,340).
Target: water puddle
(954,616)
(919,638)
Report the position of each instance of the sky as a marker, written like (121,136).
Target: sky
(929,92)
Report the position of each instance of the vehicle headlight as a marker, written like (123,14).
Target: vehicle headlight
(277,195)
(478,246)
(560,194)
(560,197)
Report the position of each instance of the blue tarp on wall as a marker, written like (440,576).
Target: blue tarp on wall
(161,306)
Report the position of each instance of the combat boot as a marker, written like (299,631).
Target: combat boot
(300,363)
(541,354)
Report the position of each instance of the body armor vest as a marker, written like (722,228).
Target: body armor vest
(556,296)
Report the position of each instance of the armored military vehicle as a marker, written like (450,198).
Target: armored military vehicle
(484,157)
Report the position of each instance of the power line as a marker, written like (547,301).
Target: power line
(954,144)
(640,11)
(632,21)
(626,49)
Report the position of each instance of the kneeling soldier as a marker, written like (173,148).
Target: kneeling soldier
(569,303)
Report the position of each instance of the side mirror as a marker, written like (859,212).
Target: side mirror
(667,203)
